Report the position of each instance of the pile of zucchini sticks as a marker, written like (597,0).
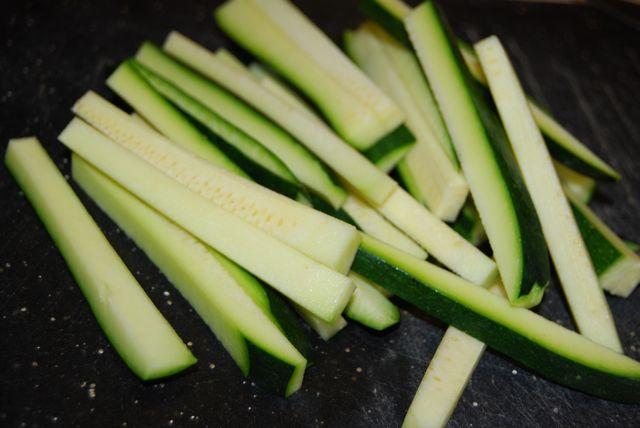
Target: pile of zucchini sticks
(317,184)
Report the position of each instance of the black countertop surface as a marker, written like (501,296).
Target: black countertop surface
(57,368)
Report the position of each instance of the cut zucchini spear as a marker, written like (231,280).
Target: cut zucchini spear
(254,341)
(468,224)
(430,170)
(306,282)
(372,183)
(553,351)
(568,251)
(319,236)
(564,147)
(617,266)
(136,329)
(379,189)
(579,185)
(281,36)
(305,166)
(498,190)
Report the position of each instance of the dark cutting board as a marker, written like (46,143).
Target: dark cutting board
(57,368)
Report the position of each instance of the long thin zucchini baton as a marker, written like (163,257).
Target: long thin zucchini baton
(306,282)
(579,281)
(496,184)
(281,36)
(430,169)
(137,330)
(254,340)
(321,237)
(379,189)
(551,350)
(564,147)
(372,183)
(305,166)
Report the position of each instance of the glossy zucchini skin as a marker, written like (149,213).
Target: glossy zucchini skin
(374,265)
(527,236)
(399,139)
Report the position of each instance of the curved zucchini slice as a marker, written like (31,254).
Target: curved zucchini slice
(305,166)
(586,300)
(306,282)
(315,234)
(617,266)
(551,350)
(563,146)
(281,36)
(247,329)
(497,187)
(372,183)
(137,330)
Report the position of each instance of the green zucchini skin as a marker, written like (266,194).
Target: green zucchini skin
(565,157)
(603,253)
(394,24)
(372,265)
(253,169)
(322,205)
(535,268)
(400,138)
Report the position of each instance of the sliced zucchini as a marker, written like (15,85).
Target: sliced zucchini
(315,234)
(444,381)
(564,147)
(305,166)
(580,185)
(431,176)
(248,333)
(137,330)
(306,282)
(326,330)
(617,266)
(370,221)
(248,157)
(497,187)
(442,242)
(541,345)
(350,164)
(369,306)
(469,226)
(586,300)
(281,36)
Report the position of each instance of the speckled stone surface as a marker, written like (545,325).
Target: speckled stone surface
(57,368)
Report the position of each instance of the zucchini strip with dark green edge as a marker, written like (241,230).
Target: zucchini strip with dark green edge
(564,147)
(469,225)
(541,345)
(137,330)
(305,166)
(281,36)
(580,185)
(492,172)
(241,319)
(248,154)
(578,278)
(617,266)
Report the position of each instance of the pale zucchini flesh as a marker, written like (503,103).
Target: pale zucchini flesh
(321,140)
(369,306)
(430,176)
(306,282)
(305,166)
(566,246)
(323,238)
(280,35)
(442,242)
(137,330)
(496,184)
(578,184)
(192,267)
